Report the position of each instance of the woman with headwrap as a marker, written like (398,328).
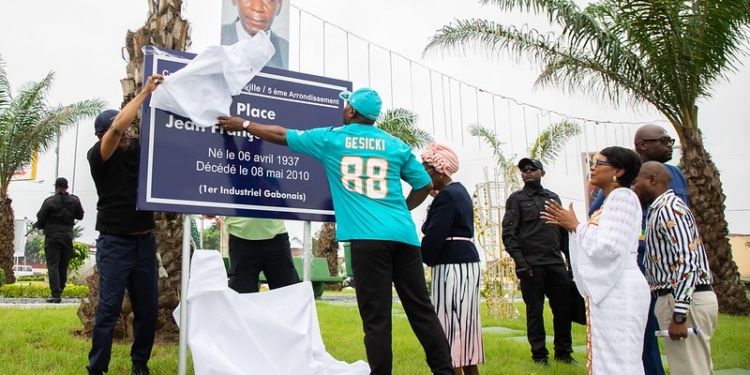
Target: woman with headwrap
(447,247)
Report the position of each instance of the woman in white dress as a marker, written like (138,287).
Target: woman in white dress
(603,258)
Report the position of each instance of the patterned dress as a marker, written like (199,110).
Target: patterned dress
(456,272)
(603,258)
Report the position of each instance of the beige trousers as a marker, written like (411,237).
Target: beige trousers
(691,356)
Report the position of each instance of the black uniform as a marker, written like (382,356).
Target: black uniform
(539,247)
(56,218)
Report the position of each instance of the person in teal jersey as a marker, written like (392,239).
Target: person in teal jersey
(257,245)
(364,166)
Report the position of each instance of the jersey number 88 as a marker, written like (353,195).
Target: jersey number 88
(367,177)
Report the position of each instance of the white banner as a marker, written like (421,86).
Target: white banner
(19,243)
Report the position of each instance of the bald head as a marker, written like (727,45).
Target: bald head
(652,142)
(652,181)
(649,131)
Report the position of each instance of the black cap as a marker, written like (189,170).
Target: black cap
(61,182)
(528,161)
(104,120)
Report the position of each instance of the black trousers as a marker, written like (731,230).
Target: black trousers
(378,265)
(553,281)
(125,262)
(247,258)
(58,250)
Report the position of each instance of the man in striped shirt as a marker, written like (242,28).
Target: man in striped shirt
(678,273)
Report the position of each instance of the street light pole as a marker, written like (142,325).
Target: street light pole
(57,157)
(75,160)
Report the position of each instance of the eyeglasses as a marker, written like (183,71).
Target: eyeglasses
(429,168)
(601,162)
(529,169)
(663,140)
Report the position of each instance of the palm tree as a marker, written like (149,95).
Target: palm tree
(28,125)
(164,28)
(401,123)
(546,147)
(661,53)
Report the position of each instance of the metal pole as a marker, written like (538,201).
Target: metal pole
(307,248)
(75,160)
(57,157)
(182,361)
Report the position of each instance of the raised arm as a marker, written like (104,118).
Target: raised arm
(122,121)
(270,133)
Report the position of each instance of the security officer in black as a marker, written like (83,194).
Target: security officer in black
(56,218)
(537,249)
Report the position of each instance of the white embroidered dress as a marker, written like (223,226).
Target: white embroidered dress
(603,256)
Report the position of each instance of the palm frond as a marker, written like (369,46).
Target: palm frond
(662,52)
(552,140)
(401,123)
(5,89)
(28,125)
(507,167)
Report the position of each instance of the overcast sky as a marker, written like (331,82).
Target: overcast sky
(81,41)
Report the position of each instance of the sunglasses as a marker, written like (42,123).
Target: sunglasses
(663,140)
(529,169)
(429,168)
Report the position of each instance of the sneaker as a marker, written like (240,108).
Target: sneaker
(541,362)
(140,370)
(567,359)
(54,300)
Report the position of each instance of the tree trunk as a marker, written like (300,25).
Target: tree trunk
(329,247)
(164,28)
(707,204)
(6,243)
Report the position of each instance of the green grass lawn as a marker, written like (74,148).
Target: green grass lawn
(39,341)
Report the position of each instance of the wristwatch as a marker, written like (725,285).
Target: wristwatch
(245,124)
(679,318)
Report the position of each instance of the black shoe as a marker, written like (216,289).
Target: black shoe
(541,362)
(139,369)
(54,300)
(567,359)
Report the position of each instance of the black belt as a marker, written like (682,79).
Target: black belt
(698,288)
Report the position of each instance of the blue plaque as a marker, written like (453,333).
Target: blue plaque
(189,169)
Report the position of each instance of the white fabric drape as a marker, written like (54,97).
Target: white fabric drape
(203,89)
(269,333)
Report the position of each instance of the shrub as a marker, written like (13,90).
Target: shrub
(41,291)
(2,277)
(31,278)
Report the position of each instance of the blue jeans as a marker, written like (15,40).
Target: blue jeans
(125,262)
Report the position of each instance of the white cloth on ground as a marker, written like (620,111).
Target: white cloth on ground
(203,89)
(269,333)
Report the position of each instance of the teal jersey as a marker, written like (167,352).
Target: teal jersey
(364,166)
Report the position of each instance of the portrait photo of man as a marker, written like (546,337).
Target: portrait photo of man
(248,17)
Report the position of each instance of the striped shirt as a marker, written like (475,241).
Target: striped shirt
(675,256)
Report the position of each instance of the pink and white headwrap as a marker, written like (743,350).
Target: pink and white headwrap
(442,157)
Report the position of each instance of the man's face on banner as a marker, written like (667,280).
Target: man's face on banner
(257,15)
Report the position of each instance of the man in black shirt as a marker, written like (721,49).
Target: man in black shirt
(126,247)
(56,218)
(537,248)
